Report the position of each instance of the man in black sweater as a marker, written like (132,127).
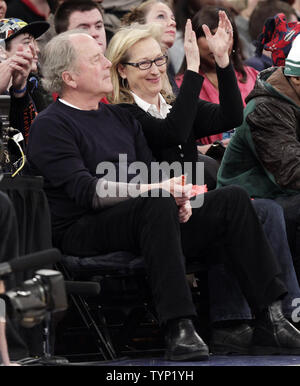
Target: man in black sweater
(76,140)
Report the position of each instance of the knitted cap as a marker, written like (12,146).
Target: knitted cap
(292,62)
(277,37)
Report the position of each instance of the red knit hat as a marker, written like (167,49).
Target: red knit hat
(277,37)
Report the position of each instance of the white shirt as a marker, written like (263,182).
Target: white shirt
(151,108)
(68,104)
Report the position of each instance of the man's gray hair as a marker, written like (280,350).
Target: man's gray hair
(58,56)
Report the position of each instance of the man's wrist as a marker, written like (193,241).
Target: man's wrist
(18,90)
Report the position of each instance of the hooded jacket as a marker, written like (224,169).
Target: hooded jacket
(264,154)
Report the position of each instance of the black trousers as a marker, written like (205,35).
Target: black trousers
(150,227)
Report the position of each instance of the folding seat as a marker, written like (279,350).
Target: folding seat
(121,320)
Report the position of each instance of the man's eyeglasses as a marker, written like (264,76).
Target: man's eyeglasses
(146,64)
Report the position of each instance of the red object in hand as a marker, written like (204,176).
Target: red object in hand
(198,189)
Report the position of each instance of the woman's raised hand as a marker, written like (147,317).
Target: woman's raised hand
(221,42)
(191,48)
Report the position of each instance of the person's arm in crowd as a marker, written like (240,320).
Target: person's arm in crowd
(109,193)
(273,130)
(176,127)
(16,69)
(22,109)
(121,191)
(59,161)
(217,118)
(21,63)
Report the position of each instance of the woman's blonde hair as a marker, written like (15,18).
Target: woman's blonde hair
(138,14)
(117,53)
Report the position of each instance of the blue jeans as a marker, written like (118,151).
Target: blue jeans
(291,210)
(227,301)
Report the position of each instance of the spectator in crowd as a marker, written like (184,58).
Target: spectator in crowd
(263,156)
(68,143)
(81,14)
(22,60)
(277,37)
(195,118)
(210,88)
(164,129)
(159,12)
(54,5)
(184,10)
(264,10)
(155,11)
(3,8)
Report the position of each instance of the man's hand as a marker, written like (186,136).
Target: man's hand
(21,64)
(180,192)
(185,212)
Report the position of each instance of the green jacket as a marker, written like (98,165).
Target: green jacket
(263,156)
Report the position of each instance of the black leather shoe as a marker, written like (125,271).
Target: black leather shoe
(183,342)
(231,340)
(274,334)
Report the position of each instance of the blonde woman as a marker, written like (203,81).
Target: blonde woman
(138,74)
(171,129)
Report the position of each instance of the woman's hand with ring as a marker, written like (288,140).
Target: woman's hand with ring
(222,41)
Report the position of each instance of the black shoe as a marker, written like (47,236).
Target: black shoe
(183,342)
(274,334)
(231,340)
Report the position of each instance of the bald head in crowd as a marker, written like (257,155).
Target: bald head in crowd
(81,14)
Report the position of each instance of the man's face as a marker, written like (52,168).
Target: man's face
(3,8)
(92,69)
(92,22)
(25,40)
